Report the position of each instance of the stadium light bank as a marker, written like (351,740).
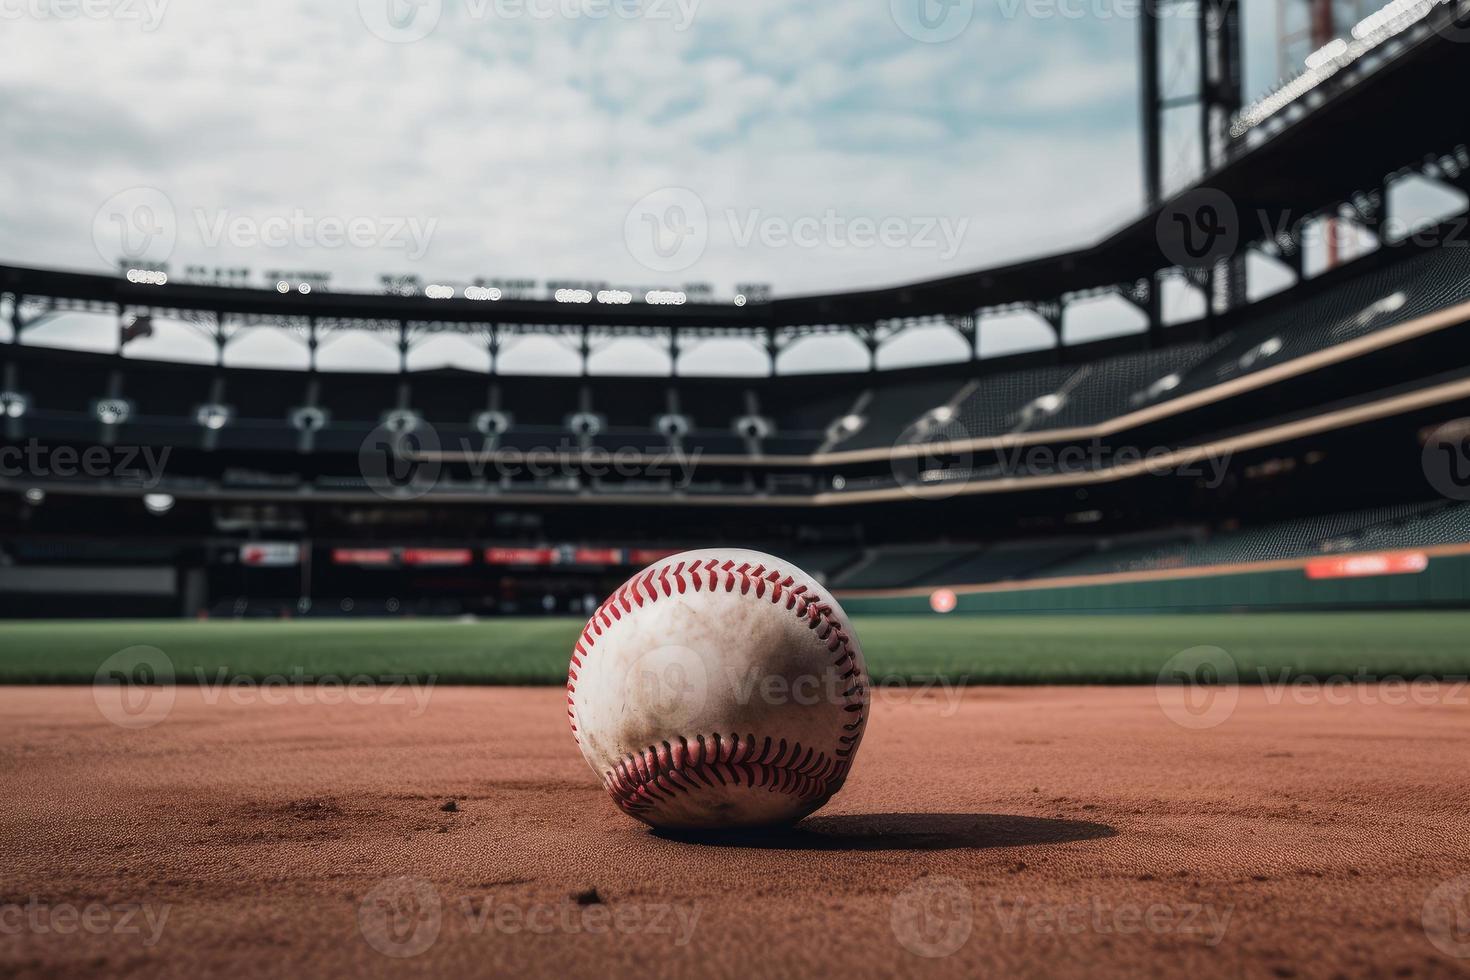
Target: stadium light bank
(1324,63)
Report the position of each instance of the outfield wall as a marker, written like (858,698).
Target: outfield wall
(1264,586)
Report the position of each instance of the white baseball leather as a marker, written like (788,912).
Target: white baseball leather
(719,689)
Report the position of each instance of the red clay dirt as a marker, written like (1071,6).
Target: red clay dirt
(1032,832)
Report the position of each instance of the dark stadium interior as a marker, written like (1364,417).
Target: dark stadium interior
(1296,424)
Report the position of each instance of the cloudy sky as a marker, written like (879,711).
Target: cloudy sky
(813,146)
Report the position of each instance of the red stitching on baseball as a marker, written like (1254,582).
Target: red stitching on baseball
(640,780)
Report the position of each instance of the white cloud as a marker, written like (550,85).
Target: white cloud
(525,141)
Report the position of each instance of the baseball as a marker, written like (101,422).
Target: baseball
(719,689)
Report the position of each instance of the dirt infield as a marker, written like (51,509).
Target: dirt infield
(1035,832)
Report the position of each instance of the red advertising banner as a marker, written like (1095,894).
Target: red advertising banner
(270,554)
(439,557)
(519,556)
(597,556)
(366,557)
(1364,566)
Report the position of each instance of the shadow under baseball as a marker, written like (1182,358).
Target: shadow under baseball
(901,832)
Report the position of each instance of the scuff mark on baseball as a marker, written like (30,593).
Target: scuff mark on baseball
(719,689)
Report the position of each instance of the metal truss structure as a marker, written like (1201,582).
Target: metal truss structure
(1291,168)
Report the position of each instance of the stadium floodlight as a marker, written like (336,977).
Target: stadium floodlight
(401,421)
(665,297)
(1265,349)
(839,482)
(439,291)
(158,504)
(1043,407)
(740,300)
(672,426)
(148,277)
(112,411)
(1328,60)
(283,286)
(483,294)
(214,417)
(573,296)
(846,426)
(614,297)
(35,496)
(304,289)
(492,423)
(308,418)
(13,404)
(754,427)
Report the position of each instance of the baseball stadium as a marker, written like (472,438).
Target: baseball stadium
(1091,609)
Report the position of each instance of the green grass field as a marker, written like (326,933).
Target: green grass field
(974,650)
